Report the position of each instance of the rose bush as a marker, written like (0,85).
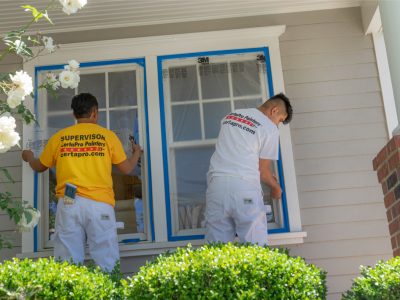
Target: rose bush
(17,87)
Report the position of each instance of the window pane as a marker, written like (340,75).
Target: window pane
(191,169)
(62,102)
(128,188)
(186,122)
(128,203)
(248,103)
(183,83)
(55,123)
(245,78)
(102,120)
(213,114)
(124,119)
(273,206)
(122,88)
(94,84)
(214,81)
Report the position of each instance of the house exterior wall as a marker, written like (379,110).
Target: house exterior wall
(331,76)
(12,162)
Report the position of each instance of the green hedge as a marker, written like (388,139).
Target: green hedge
(381,282)
(47,279)
(227,272)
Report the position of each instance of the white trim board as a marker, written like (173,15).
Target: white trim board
(133,250)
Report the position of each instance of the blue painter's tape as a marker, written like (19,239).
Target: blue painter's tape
(127,241)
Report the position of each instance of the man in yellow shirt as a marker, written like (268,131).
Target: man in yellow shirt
(83,155)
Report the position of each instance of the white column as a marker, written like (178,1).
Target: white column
(390,16)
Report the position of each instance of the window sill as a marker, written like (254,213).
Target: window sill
(143,249)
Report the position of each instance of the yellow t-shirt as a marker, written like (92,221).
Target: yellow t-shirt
(83,155)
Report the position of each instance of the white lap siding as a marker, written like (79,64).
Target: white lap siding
(331,76)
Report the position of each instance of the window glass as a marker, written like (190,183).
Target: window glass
(191,169)
(122,88)
(95,85)
(214,81)
(227,82)
(245,78)
(186,122)
(183,83)
(61,101)
(213,114)
(248,103)
(131,203)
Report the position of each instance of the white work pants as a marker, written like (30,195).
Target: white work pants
(86,221)
(235,206)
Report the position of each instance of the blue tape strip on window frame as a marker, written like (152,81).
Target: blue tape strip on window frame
(160,59)
(138,61)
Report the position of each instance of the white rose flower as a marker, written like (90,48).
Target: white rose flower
(23,81)
(3,148)
(48,44)
(76,80)
(51,80)
(8,137)
(68,79)
(72,6)
(73,65)
(23,225)
(15,97)
(7,123)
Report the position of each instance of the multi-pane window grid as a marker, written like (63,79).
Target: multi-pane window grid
(231,71)
(97,81)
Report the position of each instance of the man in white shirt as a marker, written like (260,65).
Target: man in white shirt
(247,145)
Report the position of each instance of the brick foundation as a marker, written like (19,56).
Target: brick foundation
(387,166)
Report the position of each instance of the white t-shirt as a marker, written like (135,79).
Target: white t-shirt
(246,135)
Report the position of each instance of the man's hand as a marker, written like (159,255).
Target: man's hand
(36,165)
(136,148)
(127,165)
(276,192)
(27,155)
(269,178)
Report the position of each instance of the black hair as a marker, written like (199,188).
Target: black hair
(83,104)
(289,110)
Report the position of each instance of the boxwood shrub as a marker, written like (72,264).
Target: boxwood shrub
(47,279)
(376,283)
(226,272)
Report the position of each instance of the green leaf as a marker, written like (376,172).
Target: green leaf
(46,16)
(28,216)
(33,40)
(37,15)
(14,34)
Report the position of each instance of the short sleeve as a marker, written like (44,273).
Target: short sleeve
(117,150)
(48,158)
(270,145)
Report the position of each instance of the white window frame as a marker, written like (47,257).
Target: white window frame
(43,179)
(191,60)
(150,48)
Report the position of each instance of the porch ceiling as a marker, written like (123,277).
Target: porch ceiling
(122,13)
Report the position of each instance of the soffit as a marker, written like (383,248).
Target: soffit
(126,13)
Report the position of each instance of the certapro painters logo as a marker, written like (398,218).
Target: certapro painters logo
(82,145)
(240,121)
